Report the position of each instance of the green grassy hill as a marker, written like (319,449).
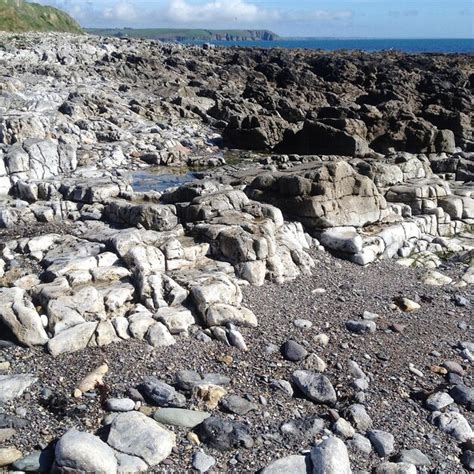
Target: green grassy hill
(20,16)
(174,34)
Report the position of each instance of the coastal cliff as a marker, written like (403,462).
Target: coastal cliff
(171,34)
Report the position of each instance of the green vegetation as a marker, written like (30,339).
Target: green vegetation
(21,16)
(171,34)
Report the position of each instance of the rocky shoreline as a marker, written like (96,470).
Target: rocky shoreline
(295,301)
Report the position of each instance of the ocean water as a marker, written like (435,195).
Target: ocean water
(331,44)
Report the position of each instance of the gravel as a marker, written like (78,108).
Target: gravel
(394,399)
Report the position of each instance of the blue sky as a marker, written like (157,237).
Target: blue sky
(334,18)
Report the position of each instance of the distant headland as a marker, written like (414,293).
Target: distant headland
(173,34)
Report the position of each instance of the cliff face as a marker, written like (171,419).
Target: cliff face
(173,34)
(21,16)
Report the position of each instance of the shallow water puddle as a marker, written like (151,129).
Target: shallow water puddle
(159,179)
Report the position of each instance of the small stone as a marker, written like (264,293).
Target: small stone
(137,435)
(180,417)
(438,401)
(463,395)
(454,367)
(360,443)
(382,441)
(467,460)
(413,456)
(9,456)
(202,462)
(414,370)
(37,461)
(120,404)
(160,393)
(193,438)
(302,323)
(453,424)
(461,301)
(407,305)
(6,434)
(361,327)
(293,351)
(130,464)
(436,369)
(315,387)
(13,386)
(283,386)
(290,465)
(368,316)
(223,435)
(343,428)
(209,394)
(395,468)
(322,339)
(397,327)
(314,362)
(79,451)
(94,378)
(358,414)
(238,405)
(331,456)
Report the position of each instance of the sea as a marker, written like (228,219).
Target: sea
(331,44)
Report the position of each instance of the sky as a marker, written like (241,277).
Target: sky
(317,18)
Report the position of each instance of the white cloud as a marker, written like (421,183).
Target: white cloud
(320,15)
(184,13)
(180,11)
(121,11)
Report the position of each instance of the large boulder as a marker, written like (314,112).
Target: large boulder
(137,435)
(19,315)
(320,138)
(83,452)
(322,196)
